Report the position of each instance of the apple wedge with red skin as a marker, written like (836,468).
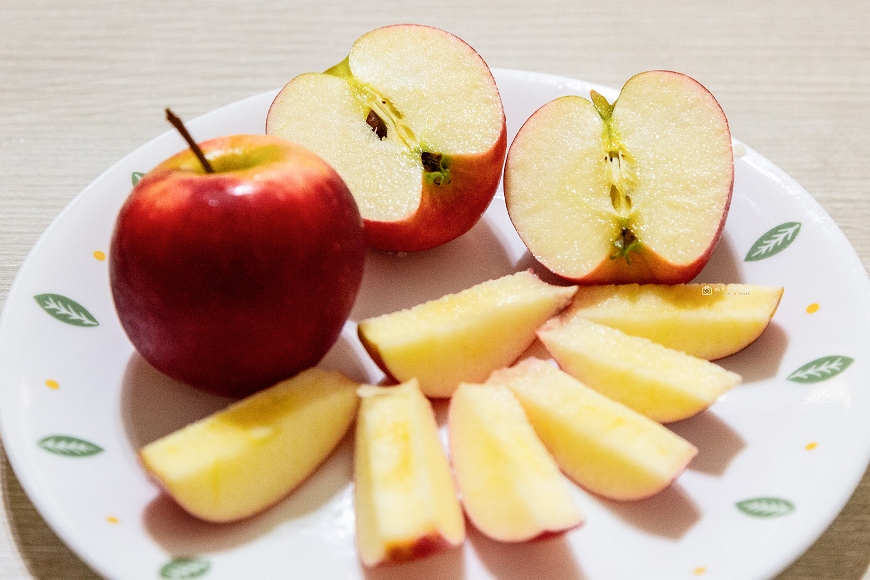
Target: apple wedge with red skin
(247,457)
(413,121)
(404,494)
(234,280)
(637,191)
(510,485)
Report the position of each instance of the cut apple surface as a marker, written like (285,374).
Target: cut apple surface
(406,503)
(511,488)
(245,458)
(463,336)
(606,447)
(664,384)
(709,321)
(413,122)
(637,191)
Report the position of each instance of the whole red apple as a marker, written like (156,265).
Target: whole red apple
(233,280)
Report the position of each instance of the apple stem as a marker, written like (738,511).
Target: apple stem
(197,150)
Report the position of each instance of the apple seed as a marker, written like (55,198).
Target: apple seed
(377,124)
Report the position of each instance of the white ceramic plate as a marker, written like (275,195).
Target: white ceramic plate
(779,456)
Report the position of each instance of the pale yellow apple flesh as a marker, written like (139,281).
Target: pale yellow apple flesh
(606,447)
(511,488)
(406,503)
(634,192)
(709,321)
(664,384)
(245,458)
(463,336)
(413,122)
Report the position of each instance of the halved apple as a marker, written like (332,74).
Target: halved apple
(463,336)
(412,120)
(637,191)
(406,504)
(245,458)
(709,321)
(601,444)
(664,384)
(511,488)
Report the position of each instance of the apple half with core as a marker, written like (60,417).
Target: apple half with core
(247,457)
(710,321)
(234,280)
(604,446)
(413,121)
(637,191)
(511,488)
(405,498)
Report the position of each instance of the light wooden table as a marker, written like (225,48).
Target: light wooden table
(84,82)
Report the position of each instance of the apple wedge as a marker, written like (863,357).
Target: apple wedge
(511,488)
(637,191)
(406,504)
(463,336)
(604,446)
(664,384)
(703,320)
(412,120)
(245,458)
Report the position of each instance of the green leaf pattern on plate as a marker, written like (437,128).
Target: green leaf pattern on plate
(773,241)
(181,568)
(66,310)
(821,369)
(766,507)
(69,446)
(137,175)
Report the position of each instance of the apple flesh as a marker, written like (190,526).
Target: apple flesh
(413,121)
(709,321)
(511,488)
(634,192)
(601,444)
(463,336)
(247,457)
(406,504)
(235,280)
(664,384)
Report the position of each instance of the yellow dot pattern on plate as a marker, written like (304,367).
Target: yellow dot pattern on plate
(812,308)
(100,255)
(700,570)
(811,446)
(112,519)
(52,384)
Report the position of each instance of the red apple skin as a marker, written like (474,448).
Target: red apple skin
(233,281)
(445,211)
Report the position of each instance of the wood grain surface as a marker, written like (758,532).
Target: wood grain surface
(84,82)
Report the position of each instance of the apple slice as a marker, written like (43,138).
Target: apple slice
(406,504)
(601,444)
(707,321)
(511,488)
(412,120)
(463,336)
(633,192)
(664,384)
(245,458)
